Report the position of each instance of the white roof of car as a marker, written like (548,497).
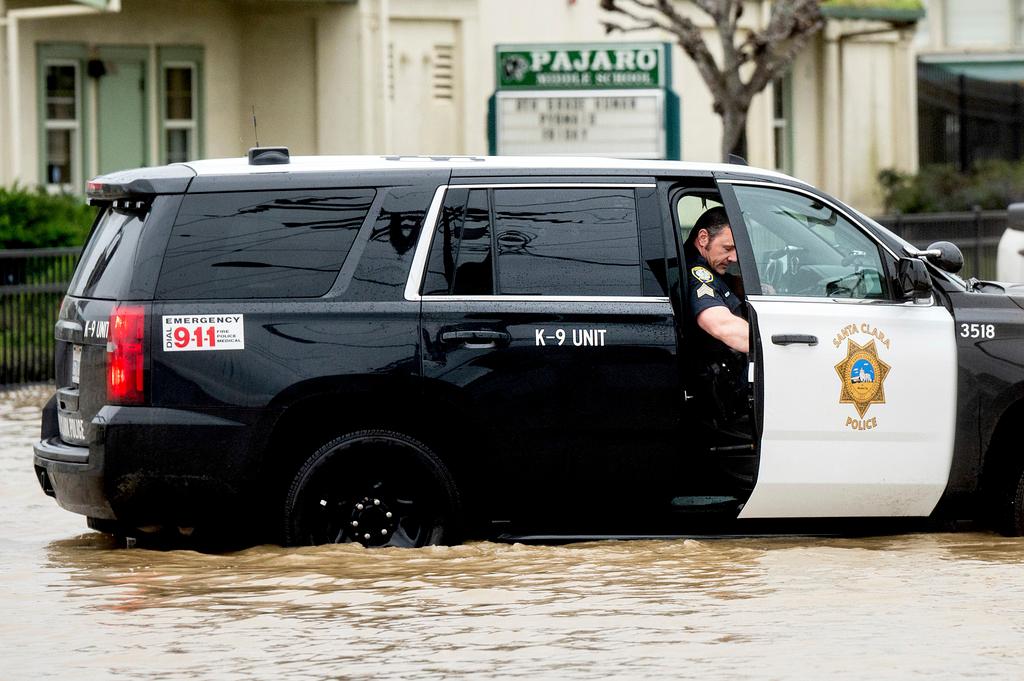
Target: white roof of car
(241,166)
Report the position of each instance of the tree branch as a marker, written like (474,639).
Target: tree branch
(687,35)
(790,28)
(610,27)
(641,23)
(772,50)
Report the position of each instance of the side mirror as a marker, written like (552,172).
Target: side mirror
(945,256)
(914,281)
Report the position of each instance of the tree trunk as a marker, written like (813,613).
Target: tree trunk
(734,132)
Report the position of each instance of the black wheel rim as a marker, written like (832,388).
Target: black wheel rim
(374,496)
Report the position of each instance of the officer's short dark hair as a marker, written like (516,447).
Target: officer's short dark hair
(714,220)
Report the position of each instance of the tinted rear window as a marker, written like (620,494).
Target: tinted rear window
(460,258)
(384,263)
(567,242)
(105,269)
(281,244)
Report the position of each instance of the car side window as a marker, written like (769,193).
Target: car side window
(567,241)
(804,247)
(261,244)
(557,241)
(460,256)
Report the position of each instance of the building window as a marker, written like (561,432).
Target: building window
(781,128)
(979,23)
(1019,21)
(62,99)
(180,121)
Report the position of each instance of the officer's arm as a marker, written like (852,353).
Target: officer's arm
(718,322)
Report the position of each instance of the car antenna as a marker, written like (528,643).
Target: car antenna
(255,130)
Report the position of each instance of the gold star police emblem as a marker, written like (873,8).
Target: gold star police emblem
(862,376)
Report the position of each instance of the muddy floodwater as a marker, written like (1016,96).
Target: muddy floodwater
(74,604)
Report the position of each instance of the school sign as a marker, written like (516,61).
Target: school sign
(602,99)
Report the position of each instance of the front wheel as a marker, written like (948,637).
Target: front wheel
(374,487)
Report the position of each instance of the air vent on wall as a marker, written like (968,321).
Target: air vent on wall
(443,80)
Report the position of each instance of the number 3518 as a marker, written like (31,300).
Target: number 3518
(977,331)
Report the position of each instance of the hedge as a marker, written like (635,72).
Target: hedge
(992,185)
(37,219)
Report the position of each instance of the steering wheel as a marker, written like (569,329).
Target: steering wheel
(782,263)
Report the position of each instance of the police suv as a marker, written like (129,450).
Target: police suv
(407,351)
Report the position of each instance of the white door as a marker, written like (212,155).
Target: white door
(426,91)
(859,385)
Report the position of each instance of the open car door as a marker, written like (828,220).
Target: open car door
(859,384)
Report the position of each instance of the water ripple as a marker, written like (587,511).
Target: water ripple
(76,604)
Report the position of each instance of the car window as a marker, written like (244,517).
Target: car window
(567,241)
(460,254)
(106,264)
(382,268)
(278,244)
(804,247)
(560,241)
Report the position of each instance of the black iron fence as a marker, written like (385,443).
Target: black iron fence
(32,284)
(976,233)
(962,120)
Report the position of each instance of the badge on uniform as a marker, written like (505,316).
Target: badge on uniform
(705,290)
(702,274)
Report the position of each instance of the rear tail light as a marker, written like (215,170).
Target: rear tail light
(126,355)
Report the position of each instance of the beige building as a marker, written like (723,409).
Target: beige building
(96,85)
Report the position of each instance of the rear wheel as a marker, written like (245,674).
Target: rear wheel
(374,487)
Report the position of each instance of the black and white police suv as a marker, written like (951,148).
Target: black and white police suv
(408,351)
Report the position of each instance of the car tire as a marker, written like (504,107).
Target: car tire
(374,487)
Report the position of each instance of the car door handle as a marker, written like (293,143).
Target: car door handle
(794,339)
(476,338)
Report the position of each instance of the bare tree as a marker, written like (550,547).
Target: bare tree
(766,53)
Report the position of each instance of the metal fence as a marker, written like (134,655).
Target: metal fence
(962,120)
(976,233)
(32,285)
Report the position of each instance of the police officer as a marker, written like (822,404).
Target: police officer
(712,305)
(722,336)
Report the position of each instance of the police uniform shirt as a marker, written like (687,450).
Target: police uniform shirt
(708,289)
(720,375)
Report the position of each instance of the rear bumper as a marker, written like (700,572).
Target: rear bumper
(67,473)
(153,466)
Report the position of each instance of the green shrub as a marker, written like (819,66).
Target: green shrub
(36,219)
(992,185)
